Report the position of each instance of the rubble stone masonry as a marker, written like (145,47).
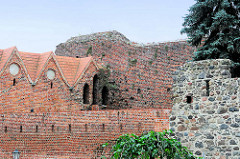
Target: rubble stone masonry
(205,116)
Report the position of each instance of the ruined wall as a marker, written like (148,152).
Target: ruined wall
(143,73)
(205,116)
(73,135)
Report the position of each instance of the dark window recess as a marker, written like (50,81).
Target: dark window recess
(168,89)
(86,94)
(86,128)
(131,98)
(139,127)
(189,99)
(138,91)
(207,88)
(70,128)
(14,82)
(21,128)
(103,127)
(51,85)
(121,127)
(36,128)
(95,88)
(52,128)
(5,129)
(105,95)
(77,56)
(32,110)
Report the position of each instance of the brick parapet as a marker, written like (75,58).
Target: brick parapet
(86,134)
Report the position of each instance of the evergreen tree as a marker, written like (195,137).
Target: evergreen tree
(214,25)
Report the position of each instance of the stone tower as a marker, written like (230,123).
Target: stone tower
(205,116)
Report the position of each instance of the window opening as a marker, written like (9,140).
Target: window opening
(207,87)
(86,128)
(70,128)
(5,129)
(103,127)
(189,99)
(86,94)
(105,95)
(95,88)
(36,128)
(14,82)
(121,127)
(52,128)
(51,85)
(21,128)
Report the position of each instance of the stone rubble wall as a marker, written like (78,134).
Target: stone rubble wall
(142,72)
(209,124)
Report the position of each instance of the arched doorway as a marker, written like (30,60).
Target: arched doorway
(95,89)
(105,95)
(86,94)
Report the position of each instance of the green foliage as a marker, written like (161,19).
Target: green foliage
(89,51)
(132,62)
(215,26)
(150,62)
(166,48)
(149,146)
(156,53)
(104,74)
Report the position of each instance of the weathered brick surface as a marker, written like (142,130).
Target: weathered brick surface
(24,97)
(89,129)
(143,73)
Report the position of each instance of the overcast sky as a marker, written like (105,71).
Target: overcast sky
(40,25)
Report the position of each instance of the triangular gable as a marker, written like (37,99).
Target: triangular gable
(34,62)
(5,56)
(69,66)
(71,69)
(84,64)
(52,56)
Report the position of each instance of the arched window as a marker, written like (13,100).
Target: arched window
(105,95)
(86,94)
(95,89)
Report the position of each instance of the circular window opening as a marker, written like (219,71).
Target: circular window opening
(14,69)
(50,74)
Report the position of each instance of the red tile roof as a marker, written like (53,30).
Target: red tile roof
(4,56)
(34,62)
(71,68)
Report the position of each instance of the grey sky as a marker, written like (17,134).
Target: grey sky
(39,25)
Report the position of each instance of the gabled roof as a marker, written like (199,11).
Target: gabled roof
(34,62)
(70,68)
(5,55)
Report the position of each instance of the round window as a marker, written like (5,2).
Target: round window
(14,69)
(50,74)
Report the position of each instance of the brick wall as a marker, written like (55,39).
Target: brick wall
(141,72)
(23,97)
(89,129)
